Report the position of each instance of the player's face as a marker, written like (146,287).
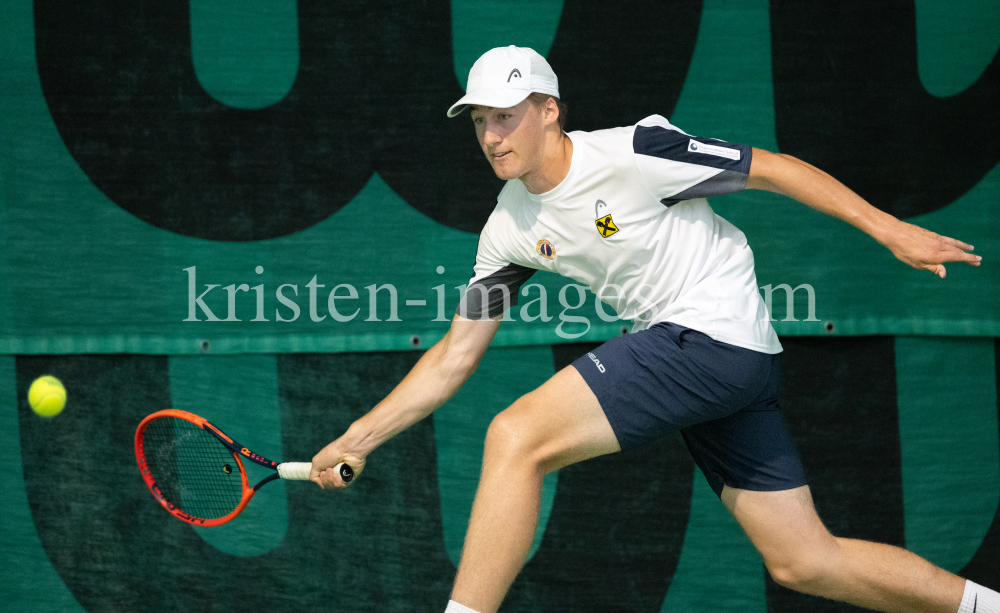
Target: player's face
(512,139)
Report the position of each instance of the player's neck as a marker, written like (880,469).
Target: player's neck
(554,167)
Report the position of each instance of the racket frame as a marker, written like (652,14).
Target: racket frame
(239,452)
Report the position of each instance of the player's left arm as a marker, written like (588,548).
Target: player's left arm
(916,246)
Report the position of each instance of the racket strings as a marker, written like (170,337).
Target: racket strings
(193,470)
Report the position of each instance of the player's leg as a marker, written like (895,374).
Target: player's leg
(802,555)
(750,461)
(631,390)
(558,424)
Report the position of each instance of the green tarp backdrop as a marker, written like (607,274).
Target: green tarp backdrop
(257,211)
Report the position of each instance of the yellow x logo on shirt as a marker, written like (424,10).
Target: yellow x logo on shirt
(606,226)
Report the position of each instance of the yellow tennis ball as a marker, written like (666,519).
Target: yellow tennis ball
(47,396)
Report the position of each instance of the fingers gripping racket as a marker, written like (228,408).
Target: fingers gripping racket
(196,471)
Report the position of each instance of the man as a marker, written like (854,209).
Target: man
(623,211)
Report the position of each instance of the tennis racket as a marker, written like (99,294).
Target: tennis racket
(196,471)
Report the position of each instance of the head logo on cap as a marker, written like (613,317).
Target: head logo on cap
(512,73)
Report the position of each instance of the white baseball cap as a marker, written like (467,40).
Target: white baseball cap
(505,76)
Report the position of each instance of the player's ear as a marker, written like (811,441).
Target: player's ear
(551,111)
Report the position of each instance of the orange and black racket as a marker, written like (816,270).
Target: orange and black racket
(196,471)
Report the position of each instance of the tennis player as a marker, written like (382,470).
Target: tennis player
(624,211)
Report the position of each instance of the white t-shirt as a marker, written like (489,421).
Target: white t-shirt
(630,221)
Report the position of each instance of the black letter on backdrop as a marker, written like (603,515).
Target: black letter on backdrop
(848,99)
(374,82)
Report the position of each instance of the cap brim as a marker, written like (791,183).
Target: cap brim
(496,98)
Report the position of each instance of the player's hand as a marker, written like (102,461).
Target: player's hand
(926,250)
(323,463)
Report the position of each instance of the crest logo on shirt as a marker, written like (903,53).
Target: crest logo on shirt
(606,226)
(545,249)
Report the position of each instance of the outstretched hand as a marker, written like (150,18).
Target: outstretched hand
(323,463)
(926,250)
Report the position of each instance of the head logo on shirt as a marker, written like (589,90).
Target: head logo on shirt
(600,204)
(545,249)
(605,225)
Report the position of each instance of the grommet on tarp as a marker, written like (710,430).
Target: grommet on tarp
(830,327)
(205,345)
(414,341)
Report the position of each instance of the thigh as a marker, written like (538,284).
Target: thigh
(559,423)
(783,525)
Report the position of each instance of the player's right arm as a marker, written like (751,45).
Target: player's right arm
(446,366)
(435,378)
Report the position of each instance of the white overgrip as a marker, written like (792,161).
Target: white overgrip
(295,471)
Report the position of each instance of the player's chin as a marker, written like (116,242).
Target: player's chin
(505,171)
(502,165)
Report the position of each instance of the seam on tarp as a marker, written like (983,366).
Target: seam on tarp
(511,337)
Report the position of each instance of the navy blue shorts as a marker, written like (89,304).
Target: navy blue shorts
(722,398)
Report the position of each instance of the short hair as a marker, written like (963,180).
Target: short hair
(539,100)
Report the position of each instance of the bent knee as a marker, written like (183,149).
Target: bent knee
(522,434)
(804,562)
(511,434)
(795,576)
(803,571)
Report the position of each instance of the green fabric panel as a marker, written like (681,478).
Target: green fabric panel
(480,25)
(150,319)
(956,40)
(355,246)
(245,54)
(719,569)
(504,375)
(239,395)
(948,435)
(83,276)
(30,584)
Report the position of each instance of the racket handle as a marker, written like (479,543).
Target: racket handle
(295,471)
(299,471)
(346,472)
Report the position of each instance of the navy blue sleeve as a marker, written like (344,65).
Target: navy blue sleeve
(715,167)
(492,295)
